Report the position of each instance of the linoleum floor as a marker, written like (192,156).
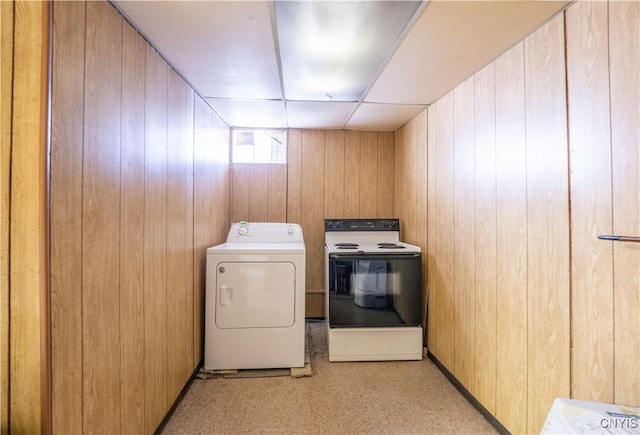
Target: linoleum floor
(391,397)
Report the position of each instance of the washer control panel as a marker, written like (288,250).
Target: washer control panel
(264,232)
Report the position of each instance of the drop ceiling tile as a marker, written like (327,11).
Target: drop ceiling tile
(250,113)
(224,49)
(318,114)
(450,41)
(382,117)
(333,49)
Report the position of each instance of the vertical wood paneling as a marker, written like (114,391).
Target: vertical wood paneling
(241,174)
(485,221)
(408,194)
(418,234)
(398,179)
(527,181)
(591,265)
(132,161)
(277,207)
(407,168)
(398,185)
(28,330)
(6,76)
(294,176)
(221,183)
(211,186)
(190,363)
(465,230)
(445,237)
(547,208)
(313,206)
(406,187)
(155,239)
(123,193)
(385,174)
(101,220)
(202,228)
(211,160)
(511,242)
(404,168)
(334,163)
(177,245)
(624,55)
(259,192)
(66,214)
(420,237)
(432,277)
(200,222)
(352,174)
(368,174)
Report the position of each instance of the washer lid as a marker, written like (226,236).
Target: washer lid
(257,248)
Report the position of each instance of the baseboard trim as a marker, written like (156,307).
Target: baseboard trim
(476,404)
(166,418)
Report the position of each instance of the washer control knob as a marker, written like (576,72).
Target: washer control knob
(243,230)
(290,231)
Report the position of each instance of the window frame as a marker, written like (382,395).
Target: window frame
(233,151)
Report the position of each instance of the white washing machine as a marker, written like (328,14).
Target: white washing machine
(255,298)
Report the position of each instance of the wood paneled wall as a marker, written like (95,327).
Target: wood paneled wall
(329,174)
(139,190)
(259,192)
(511,245)
(624,77)
(410,186)
(527,162)
(603,61)
(24,400)
(211,203)
(333,174)
(548,309)
(6,83)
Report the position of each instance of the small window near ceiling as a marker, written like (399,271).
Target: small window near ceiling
(258,146)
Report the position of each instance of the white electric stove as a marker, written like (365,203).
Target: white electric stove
(374,291)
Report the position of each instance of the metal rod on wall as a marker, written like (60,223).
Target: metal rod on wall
(619,238)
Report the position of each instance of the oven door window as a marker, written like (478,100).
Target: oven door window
(375,290)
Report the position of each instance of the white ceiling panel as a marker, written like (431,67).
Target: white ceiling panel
(452,40)
(231,53)
(225,49)
(251,113)
(331,50)
(382,117)
(313,114)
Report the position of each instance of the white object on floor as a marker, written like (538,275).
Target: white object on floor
(254,304)
(569,416)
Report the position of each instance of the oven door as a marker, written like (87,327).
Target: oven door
(374,290)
